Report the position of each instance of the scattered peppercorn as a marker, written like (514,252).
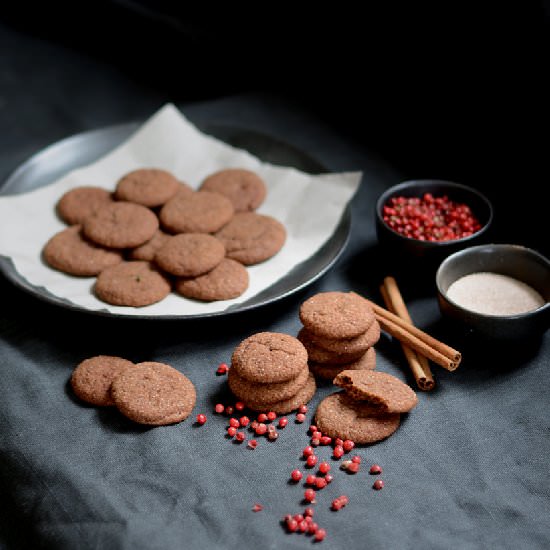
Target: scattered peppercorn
(296,475)
(222,368)
(378,484)
(300,417)
(201,419)
(257,508)
(219,408)
(375,469)
(283,421)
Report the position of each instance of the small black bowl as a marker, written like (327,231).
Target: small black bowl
(515,261)
(403,249)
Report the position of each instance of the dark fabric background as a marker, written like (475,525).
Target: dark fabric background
(468,468)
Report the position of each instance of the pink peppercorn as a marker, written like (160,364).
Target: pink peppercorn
(378,484)
(300,417)
(283,422)
(240,436)
(338,442)
(311,461)
(320,482)
(271,416)
(201,419)
(316,435)
(310,479)
(272,435)
(231,431)
(292,525)
(261,428)
(244,421)
(302,409)
(324,467)
(296,475)
(252,444)
(308,451)
(309,495)
(219,408)
(257,508)
(222,368)
(309,512)
(262,417)
(312,528)
(234,422)
(348,445)
(326,440)
(229,410)
(375,470)
(356,459)
(313,429)
(338,452)
(329,478)
(315,442)
(320,535)
(239,406)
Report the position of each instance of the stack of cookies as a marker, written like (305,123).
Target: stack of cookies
(340,330)
(368,410)
(154,233)
(269,372)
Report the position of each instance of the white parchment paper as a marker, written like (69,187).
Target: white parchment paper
(309,206)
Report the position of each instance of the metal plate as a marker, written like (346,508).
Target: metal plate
(79,150)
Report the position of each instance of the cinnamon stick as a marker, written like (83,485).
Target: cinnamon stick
(417,339)
(418,363)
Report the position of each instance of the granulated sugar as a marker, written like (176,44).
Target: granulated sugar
(494,294)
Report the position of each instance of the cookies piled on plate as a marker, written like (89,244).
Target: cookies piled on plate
(269,372)
(368,410)
(340,330)
(155,234)
(149,393)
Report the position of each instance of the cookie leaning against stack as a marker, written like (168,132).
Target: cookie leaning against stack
(269,372)
(368,410)
(339,333)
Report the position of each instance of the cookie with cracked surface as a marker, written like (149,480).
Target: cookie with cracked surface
(154,393)
(329,372)
(336,315)
(244,188)
(68,251)
(229,279)
(265,393)
(190,254)
(147,251)
(77,204)
(92,378)
(378,388)
(197,212)
(147,186)
(267,357)
(121,225)
(302,397)
(251,238)
(339,416)
(134,284)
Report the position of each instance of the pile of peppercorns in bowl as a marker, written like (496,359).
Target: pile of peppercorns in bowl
(430,219)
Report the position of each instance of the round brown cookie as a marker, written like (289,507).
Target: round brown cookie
(359,344)
(285,406)
(197,212)
(154,393)
(338,416)
(329,372)
(78,203)
(91,379)
(121,225)
(267,357)
(245,189)
(378,388)
(133,284)
(227,280)
(265,393)
(318,354)
(336,314)
(70,252)
(147,251)
(147,186)
(251,238)
(190,254)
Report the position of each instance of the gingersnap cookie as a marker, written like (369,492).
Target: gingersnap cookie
(339,416)
(336,315)
(252,238)
(265,393)
(227,280)
(154,393)
(359,344)
(268,357)
(91,379)
(134,284)
(68,251)
(79,203)
(318,354)
(147,186)
(190,254)
(147,251)
(245,189)
(302,397)
(378,388)
(197,212)
(322,370)
(121,225)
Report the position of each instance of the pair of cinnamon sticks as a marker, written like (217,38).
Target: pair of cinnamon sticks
(418,346)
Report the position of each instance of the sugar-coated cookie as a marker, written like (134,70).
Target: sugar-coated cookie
(154,393)
(147,186)
(327,371)
(245,189)
(80,202)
